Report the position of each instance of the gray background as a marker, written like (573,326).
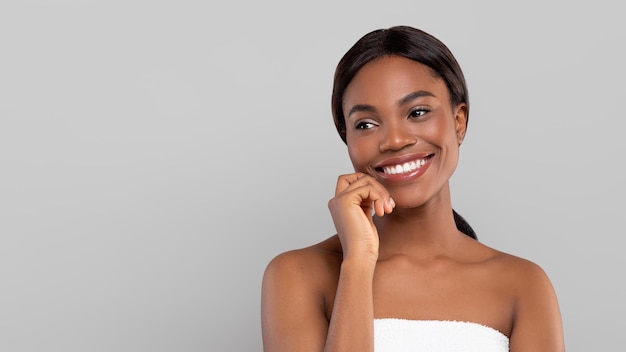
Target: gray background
(155,155)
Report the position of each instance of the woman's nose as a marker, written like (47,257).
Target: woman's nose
(396,137)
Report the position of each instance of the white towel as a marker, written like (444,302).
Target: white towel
(395,335)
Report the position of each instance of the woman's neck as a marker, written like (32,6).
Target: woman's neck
(429,228)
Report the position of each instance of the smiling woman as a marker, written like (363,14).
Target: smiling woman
(404,271)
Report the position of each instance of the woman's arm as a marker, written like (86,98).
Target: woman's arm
(293,304)
(352,321)
(537,324)
(292,308)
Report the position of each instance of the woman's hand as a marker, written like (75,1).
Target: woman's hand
(357,197)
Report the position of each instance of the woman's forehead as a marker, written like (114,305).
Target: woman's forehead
(392,76)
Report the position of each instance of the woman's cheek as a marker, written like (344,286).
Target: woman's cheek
(358,156)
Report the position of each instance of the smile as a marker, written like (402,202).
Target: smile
(406,167)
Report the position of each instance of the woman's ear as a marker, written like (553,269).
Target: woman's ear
(460,121)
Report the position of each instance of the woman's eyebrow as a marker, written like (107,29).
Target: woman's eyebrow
(361,107)
(411,96)
(404,100)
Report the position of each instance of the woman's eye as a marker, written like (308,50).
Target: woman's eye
(418,112)
(364,125)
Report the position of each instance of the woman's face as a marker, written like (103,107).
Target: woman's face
(401,128)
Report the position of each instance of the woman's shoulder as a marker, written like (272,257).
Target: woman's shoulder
(330,248)
(318,261)
(515,271)
(536,319)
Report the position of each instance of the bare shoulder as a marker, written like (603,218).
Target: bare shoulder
(319,259)
(530,282)
(518,272)
(309,273)
(296,289)
(517,276)
(537,324)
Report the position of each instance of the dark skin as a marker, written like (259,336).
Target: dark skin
(407,260)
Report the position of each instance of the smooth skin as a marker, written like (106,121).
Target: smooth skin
(397,252)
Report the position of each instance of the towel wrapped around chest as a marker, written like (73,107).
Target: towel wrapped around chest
(395,335)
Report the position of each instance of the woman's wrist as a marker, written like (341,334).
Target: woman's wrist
(359,265)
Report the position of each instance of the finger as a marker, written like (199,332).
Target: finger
(385,203)
(353,181)
(344,181)
(372,199)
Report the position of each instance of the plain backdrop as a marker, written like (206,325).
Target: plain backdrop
(155,155)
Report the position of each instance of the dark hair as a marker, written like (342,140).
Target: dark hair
(413,44)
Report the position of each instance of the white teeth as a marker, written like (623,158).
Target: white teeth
(404,168)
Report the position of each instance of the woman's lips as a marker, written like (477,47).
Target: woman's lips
(401,169)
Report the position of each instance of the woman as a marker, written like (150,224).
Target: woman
(404,271)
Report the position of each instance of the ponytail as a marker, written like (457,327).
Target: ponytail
(463,226)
